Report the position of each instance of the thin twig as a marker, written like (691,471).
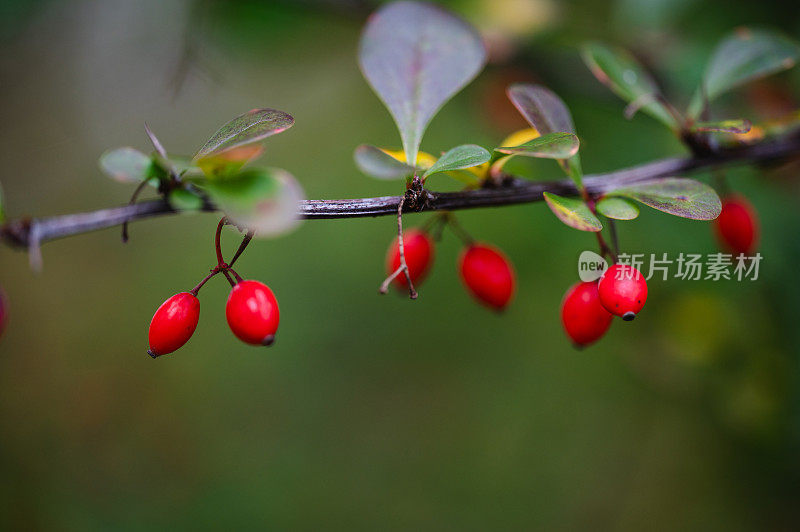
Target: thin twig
(238,277)
(459,231)
(403,268)
(246,240)
(218,241)
(134,196)
(612,227)
(205,279)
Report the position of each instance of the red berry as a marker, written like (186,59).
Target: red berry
(252,313)
(173,324)
(418,250)
(585,320)
(737,226)
(488,275)
(623,291)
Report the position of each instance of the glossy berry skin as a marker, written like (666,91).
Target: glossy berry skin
(173,324)
(584,318)
(252,313)
(623,291)
(418,250)
(737,226)
(488,275)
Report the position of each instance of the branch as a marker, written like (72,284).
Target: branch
(30,232)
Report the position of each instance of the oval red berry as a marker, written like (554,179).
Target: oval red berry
(584,318)
(622,290)
(252,313)
(737,226)
(173,323)
(488,275)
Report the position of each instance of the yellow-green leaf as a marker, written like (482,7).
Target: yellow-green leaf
(551,146)
(617,208)
(739,126)
(573,212)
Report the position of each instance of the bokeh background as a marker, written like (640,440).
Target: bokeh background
(377,413)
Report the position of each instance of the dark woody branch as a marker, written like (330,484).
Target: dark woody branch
(30,232)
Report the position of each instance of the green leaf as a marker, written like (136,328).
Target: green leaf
(686,198)
(376,163)
(617,208)
(182,165)
(249,128)
(739,125)
(181,199)
(458,158)
(262,199)
(416,56)
(573,212)
(126,165)
(551,146)
(619,70)
(744,56)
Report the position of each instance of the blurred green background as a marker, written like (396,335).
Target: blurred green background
(377,413)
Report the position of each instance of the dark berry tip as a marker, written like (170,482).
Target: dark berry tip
(268,341)
(151,353)
(628,316)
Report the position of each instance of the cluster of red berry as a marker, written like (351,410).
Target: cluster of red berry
(252,313)
(252,310)
(589,307)
(485,270)
(586,310)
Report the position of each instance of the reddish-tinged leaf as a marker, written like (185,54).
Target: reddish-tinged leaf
(540,106)
(416,56)
(253,126)
(686,198)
